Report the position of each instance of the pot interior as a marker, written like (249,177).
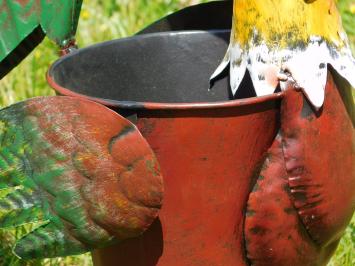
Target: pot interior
(169,67)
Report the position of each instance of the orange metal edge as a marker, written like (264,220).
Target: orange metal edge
(162,106)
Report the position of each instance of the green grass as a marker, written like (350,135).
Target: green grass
(105,20)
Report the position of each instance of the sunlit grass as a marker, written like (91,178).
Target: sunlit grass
(105,20)
(345,254)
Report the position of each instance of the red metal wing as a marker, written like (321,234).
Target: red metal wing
(304,196)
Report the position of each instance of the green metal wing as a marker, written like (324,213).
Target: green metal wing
(81,170)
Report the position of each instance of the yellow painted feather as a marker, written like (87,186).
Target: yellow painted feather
(287,23)
(278,41)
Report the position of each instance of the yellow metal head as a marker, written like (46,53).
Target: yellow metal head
(287,23)
(279,40)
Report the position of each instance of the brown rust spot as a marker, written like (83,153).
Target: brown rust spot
(258,230)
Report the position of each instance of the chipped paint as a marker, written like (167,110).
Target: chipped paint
(288,48)
(280,24)
(317,168)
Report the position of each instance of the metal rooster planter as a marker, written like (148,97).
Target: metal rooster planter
(264,180)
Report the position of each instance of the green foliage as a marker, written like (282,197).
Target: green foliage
(105,20)
(345,254)
(347,10)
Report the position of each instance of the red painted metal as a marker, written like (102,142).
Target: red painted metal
(234,198)
(208,153)
(229,201)
(273,232)
(108,152)
(116,104)
(208,159)
(319,159)
(304,197)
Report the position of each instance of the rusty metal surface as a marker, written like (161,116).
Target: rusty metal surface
(296,211)
(214,154)
(273,232)
(319,159)
(208,159)
(304,197)
(235,194)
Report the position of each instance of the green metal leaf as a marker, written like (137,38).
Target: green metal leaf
(19,19)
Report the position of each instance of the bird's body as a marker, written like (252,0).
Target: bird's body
(278,39)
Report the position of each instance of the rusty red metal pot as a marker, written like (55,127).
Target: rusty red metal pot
(208,144)
(242,181)
(248,181)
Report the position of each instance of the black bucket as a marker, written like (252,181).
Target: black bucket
(166,67)
(169,61)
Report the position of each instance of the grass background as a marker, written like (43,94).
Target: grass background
(105,20)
